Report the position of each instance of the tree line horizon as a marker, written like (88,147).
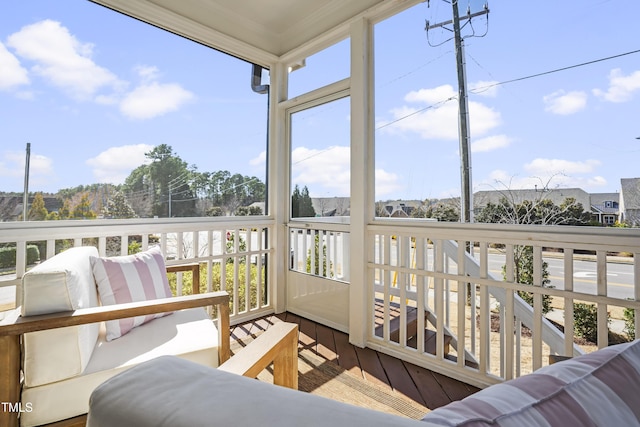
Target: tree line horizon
(166,186)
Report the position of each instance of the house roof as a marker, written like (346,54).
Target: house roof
(557,196)
(600,198)
(331,206)
(255,30)
(630,190)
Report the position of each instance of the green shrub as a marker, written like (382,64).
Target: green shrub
(33,254)
(216,271)
(134,247)
(630,323)
(8,256)
(317,259)
(523,273)
(585,321)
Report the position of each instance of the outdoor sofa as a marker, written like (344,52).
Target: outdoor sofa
(81,319)
(597,389)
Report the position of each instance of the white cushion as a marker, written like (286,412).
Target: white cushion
(130,278)
(61,283)
(189,334)
(172,392)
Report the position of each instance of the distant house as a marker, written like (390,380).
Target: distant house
(398,208)
(331,206)
(557,195)
(605,207)
(630,201)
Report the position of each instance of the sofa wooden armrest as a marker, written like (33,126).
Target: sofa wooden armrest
(194,268)
(14,325)
(278,345)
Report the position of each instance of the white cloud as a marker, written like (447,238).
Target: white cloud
(557,166)
(61,59)
(154,99)
(621,87)
(12,166)
(12,74)
(147,73)
(432,96)
(260,160)
(490,143)
(441,121)
(553,173)
(501,180)
(563,103)
(386,183)
(115,164)
(484,88)
(328,168)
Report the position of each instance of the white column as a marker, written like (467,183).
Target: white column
(278,186)
(362,178)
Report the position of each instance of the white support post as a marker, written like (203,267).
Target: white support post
(278,190)
(362,179)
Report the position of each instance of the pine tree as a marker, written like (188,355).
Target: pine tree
(37,211)
(118,207)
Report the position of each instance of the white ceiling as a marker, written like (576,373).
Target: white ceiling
(273,27)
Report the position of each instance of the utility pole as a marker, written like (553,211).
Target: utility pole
(466,196)
(25,196)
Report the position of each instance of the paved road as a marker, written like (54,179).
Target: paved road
(619,275)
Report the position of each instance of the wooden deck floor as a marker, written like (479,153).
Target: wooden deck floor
(426,387)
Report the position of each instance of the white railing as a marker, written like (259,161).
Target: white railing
(321,249)
(432,302)
(232,253)
(439,306)
(318,275)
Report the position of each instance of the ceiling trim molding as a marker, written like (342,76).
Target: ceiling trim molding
(158,16)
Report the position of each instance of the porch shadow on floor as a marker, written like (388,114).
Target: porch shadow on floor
(410,389)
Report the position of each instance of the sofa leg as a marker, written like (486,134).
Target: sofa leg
(9,380)
(285,364)
(224,333)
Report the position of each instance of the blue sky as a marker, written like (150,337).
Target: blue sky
(92,90)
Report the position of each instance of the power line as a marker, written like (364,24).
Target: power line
(489,86)
(436,105)
(408,73)
(582,64)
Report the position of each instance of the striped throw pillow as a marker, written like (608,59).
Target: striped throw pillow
(130,278)
(595,389)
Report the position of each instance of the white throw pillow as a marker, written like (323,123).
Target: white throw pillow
(131,278)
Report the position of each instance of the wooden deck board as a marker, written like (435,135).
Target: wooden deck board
(399,377)
(326,343)
(428,386)
(308,334)
(372,369)
(454,389)
(347,357)
(425,387)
